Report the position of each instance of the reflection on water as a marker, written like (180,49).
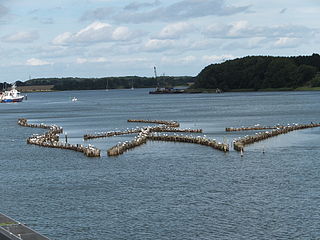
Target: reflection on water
(163,190)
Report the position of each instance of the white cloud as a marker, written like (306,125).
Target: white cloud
(158,45)
(179,60)
(62,38)
(255,42)
(21,37)
(91,60)
(216,30)
(177,11)
(121,33)
(242,29)
(132,60)
(112,60)
(286,42)
(138,5)
(217,59)
(175,30)
(238,28)
(98,14)
(95,32)
(248,43)
(36,62)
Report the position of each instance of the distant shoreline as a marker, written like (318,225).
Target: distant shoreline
(36,88)
(49,88)
(204,90)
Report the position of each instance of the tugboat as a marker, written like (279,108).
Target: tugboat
(11,96)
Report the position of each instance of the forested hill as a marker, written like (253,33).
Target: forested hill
(71,83)
(261,72)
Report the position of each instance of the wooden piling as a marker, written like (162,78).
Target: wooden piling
(51,139)
(239,144)
(145,134)
(258,127)
(168,123)
(176,130)
(125,146)
(135,130)
(111,134)
(190,139)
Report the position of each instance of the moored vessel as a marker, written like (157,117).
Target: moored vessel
(167,91)
(12,95)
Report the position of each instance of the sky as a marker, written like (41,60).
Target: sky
(100,38)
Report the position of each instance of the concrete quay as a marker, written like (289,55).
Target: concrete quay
(13,230)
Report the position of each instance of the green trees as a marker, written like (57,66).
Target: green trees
(315,82)
(110,82)
(260,72)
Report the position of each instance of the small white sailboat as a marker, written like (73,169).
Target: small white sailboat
(107,87)
(74,99)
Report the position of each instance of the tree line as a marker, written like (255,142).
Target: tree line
(73,83)
(261,72)
(251,72)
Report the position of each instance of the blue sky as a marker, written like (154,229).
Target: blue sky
(96,38)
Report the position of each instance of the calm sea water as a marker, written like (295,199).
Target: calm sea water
(163,190)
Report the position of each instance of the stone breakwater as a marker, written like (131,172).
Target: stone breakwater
(190,139)
(53,128)
(138,130)
(175,130)
(232,129)
(111,134)
(162,122)
(51,139)
(239,144)
(125,146)
(145,134)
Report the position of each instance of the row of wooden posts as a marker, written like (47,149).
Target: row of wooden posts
(256,127)
(162,122)
(190,139)
(146,134)
(125,146)
(138,130)
(51,139)
(240,143)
